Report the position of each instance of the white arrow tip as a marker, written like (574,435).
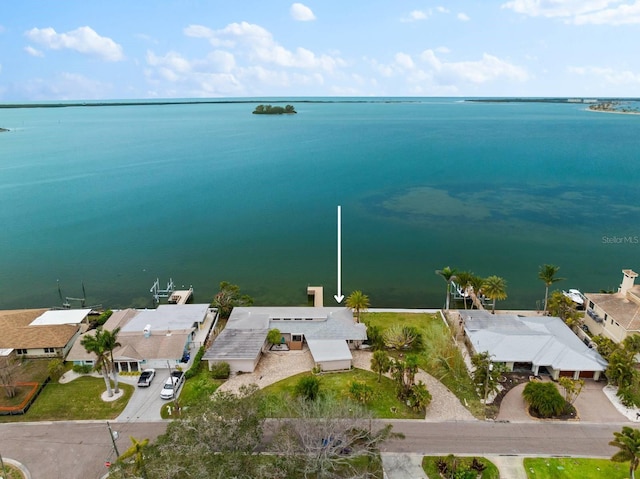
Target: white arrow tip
(339,298)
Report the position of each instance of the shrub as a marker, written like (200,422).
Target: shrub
(220,370)
(544,398)
(374,337)
(82,368)
(360,391)
(402,338)
(196,365)
(308,388)
(55,368)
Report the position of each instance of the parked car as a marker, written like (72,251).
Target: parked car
(171,385)
(146,377)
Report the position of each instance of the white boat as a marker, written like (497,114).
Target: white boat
(575,296)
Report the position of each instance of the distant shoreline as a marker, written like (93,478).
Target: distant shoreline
(3,129)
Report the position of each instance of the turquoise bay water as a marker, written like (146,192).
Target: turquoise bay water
(117,196)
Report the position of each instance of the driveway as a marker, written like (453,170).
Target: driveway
(592,405)
(145,403)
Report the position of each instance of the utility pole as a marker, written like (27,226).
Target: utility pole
(486,384)
(113,436)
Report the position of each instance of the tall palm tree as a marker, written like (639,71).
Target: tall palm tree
(547,275)
(358,302)
(110,342)
(94,343)
(449,275)
(475,291)
(494,288)
(464,281)
(628,441)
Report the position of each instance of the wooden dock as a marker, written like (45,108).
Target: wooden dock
(180,297)
(316,292)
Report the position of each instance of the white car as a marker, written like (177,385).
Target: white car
(171,386)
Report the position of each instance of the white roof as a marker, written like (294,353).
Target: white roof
(168,317)
(5,351)
(540,340)
(61,316)
(324,350)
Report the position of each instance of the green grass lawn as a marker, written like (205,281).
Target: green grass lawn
(76,400)
(381,405)
(194,389)
(11,472)
(570,468)
(440,356)
(430,466)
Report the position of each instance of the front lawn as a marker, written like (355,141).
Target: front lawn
(573,467)
(430,466)
(77,400)
(194,389)
(382,405)
(439,357)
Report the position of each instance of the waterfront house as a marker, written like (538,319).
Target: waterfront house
(151,338)
(540,344)
(41,333)
(330,334)
(615,315)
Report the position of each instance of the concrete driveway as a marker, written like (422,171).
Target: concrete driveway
(145,403)
(592,405)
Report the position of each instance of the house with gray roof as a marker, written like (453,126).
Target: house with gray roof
(150,338)
(328,332)
(537,343)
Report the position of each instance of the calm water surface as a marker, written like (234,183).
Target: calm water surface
(117,196)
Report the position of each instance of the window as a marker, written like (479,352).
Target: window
(21,351)
(591,304)
(296,337)
(49,350)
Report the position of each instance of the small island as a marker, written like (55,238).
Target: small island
(274,110)
(3,129)
(615,107)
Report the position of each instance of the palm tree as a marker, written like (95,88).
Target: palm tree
(358,302)
(628,441)
(110,342)
(464,281)
(547,275)
(494,288)
(449,275)
(136,451)
(94,343)
(475,290)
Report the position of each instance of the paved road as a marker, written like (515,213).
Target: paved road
(78,450)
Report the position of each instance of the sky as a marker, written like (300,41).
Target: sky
(153,49)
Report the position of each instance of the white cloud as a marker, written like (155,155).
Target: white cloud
(83,40)
(301,13)
(417,15)
(404,61)
(463,17)
(33,52)
(580,12)
(609,75)
(198,31)
(621,15)
(442,10)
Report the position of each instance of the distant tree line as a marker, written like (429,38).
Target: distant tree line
(273,110)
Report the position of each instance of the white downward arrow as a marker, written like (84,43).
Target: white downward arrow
(339,297)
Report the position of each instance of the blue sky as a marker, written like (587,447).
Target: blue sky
(124,49)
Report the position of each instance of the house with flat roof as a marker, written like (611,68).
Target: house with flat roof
(538,344)
(40,333)
(329,333)
(150,338)
(615,315)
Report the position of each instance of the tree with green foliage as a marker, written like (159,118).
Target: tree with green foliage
(55,368)
(380,363)
(228,298)
(606,346)
(274,336)
(562,307)
(463,279)
(475,290)
(621,370)
(419,397)
(136,452)
(486,374)
(448,275)
(360,391)
(572,388)
(404,373)
(495,288)
(358,302)
(95,343)
(632,343)
(308,388)
(544,398)
(628,443)
(547,274)
(374,337)
(110,342)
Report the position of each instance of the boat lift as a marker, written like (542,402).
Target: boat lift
(161,293)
